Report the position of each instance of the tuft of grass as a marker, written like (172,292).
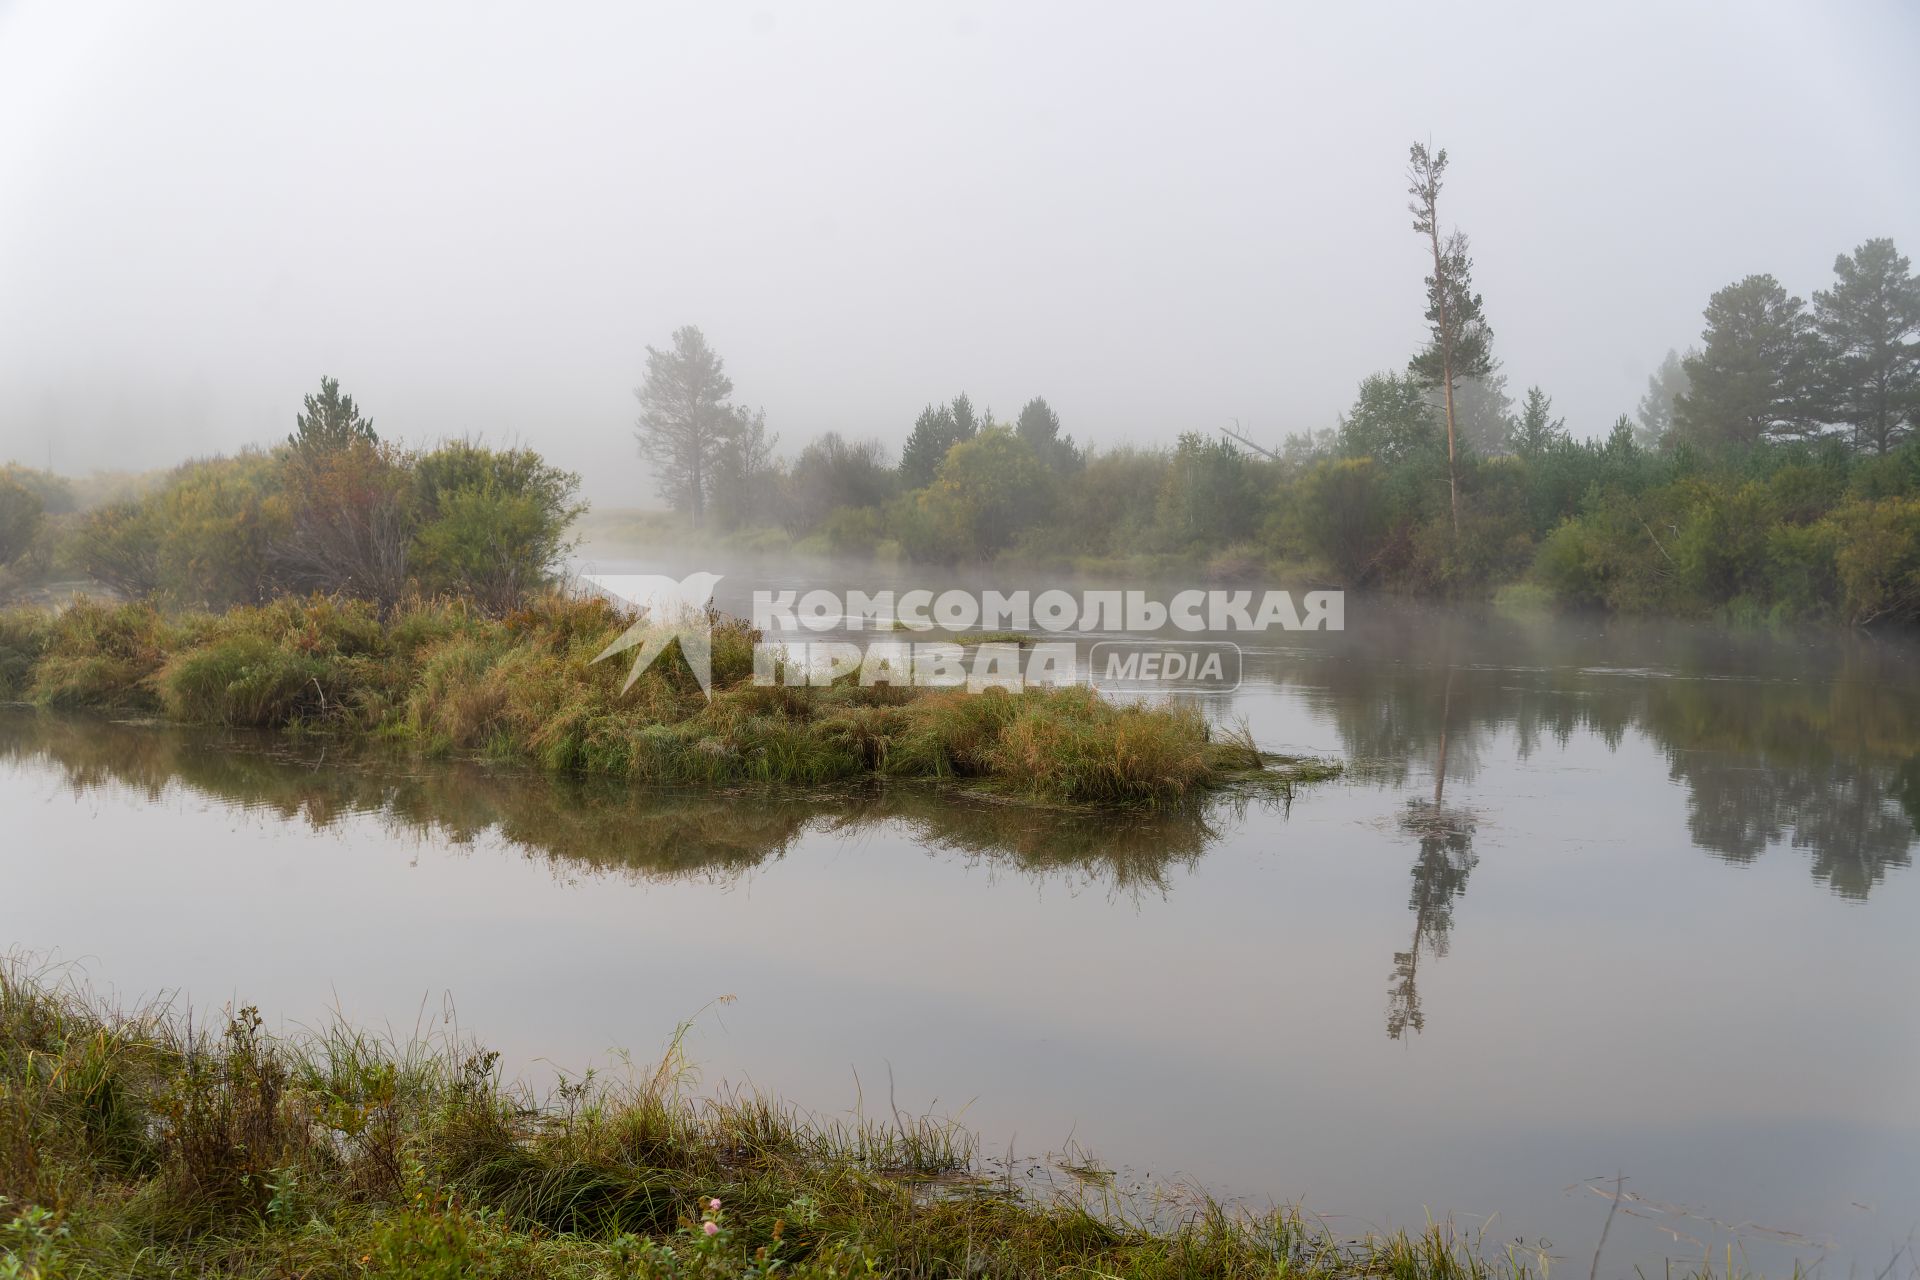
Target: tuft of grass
(95,655)
(143,1144)
(243,680)
(23,642)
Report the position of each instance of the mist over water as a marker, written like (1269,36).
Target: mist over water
(1593,898)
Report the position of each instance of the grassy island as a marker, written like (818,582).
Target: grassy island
(442,676)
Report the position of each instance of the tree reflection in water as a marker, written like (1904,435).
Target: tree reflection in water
(1439,876)
(1813,746)
(591,826)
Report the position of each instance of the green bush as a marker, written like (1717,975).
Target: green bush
(364,520)
(492,524)
(1344,518)
(1877,558)
(853,531)
(1209,496)
(22,512)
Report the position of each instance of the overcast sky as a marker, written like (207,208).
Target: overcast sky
(1159,216)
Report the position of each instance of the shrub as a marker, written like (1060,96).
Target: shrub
(21,514)
(350,522)
(1344,517)
(356,518)
(1877,558)
(853,531)
(1208,495)
(492,523)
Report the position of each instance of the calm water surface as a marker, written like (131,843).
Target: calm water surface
(1595,898)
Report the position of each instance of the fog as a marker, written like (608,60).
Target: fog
(1159,218)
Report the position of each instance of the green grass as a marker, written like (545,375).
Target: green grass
(441,678)
(136,1144)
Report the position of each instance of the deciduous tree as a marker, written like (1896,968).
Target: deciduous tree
(349,523)
(686,420)
(1391,420)
(833,473)
(746,475)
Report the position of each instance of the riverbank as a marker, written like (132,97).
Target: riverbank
(138,1144)
(442,677)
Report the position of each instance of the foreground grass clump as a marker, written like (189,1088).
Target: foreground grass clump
(140,1145)
(446,678)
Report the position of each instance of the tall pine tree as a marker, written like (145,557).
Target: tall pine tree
(1039,426)
(1654,414)
(1869,327)
(1462,342)
(938,429)
(1753,377)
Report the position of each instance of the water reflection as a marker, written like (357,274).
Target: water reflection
(1815,745)
(1440,873)
(582,825)
(1812,746)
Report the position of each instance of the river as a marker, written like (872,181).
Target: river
(1595,898)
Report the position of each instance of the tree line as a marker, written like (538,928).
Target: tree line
(1769,471)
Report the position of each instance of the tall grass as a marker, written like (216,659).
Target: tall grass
(444,678)
(144,1144)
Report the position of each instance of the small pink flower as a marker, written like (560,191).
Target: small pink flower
(712,1228)
(714,1204)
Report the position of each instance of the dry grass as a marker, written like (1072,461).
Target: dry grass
(443,678)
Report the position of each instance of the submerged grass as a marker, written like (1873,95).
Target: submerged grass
(141,1144)
(444,678)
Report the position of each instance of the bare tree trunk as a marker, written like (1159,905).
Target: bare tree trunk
(1446,367)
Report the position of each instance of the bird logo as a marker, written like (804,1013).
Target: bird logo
(670,609)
